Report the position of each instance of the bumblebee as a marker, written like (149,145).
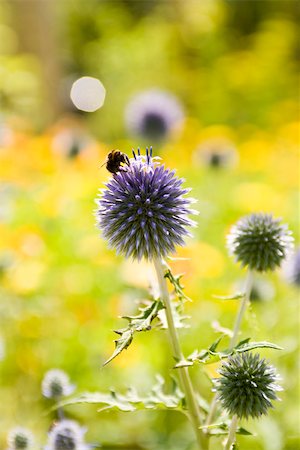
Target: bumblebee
(115,160)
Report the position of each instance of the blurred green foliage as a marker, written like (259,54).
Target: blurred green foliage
(233,65)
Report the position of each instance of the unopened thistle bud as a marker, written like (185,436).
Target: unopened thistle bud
(259,242)
(19,438)
(247,385)
(56,384)
(143,212)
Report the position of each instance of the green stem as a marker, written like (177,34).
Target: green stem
(191,400)
(234,338)
(243,306)
(231,433)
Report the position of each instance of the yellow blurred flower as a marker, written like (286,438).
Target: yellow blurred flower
(25,276)
(259,197)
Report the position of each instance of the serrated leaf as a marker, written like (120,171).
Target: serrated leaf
(215,344)
(121,344)
(140,322)
(253,345)
(178,287)
(243,431)
(222,428)
(183,363)
(210,356)
(132,400)
(241,343)
(178,318)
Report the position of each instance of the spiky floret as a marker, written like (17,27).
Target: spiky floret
(19,438)
(153,114)
(67,435)
(259,241)
(144,211)
(247,385)
(56,384)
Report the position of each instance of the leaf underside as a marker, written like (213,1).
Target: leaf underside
(131,400)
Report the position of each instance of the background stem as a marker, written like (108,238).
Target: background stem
(234,338)
(190,396)
(231,433)
(243,306)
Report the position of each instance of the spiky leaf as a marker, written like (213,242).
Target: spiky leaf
(178,287)
(222,428)
(157,398)
(209,356)
(140,322)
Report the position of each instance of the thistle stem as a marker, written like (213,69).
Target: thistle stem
(190,396)
(231,433)
(236,329)
(243,306)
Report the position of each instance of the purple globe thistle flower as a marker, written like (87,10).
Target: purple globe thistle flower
(260,242)
(247,385)
(143,212)
(20,438)
(291,268)
(56,384)
(153,114)
(67,435)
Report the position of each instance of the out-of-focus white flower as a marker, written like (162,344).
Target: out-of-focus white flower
(20,438)
(56,383)
(67,435)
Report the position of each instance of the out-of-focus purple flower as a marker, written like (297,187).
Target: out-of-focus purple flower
(216,153)
(143,212)
(153,114)
(56,383)
(67,435)
(70,142)
(291,268)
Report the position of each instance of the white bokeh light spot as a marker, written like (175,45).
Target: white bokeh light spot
(88,94)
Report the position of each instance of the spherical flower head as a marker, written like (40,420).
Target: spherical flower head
(247,385)
(144,211)
(56,384)
(20,438)
(153,114)
(260,242)
(67,435)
